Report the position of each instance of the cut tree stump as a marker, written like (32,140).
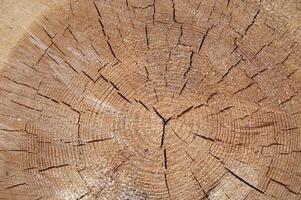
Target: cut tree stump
(154,99)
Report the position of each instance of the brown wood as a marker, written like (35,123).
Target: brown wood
(164,99)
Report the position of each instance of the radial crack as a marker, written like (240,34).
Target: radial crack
(53,167)
(17,185)
(244,88)
(174,10)
(253,21)
(99,140)
(245,182)
(183,87)
(201,187)
(166,184)
(203,40)
(202,136)
(190,64)
(228,71)
(146,35)
(124,97)
(97,10)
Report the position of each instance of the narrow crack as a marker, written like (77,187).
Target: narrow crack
(190,156)
(72,34)
(111,49)
(183,87)
(143,104)
(99,140)
(53,167)
(202,136)
(164,123)
(97,10)
(244,181)
(167,186)
(190,64)
(124,97)
(228,3)
(146,35)
(228,71)
(244,88)
(253,21)
(201,187)
(14,186)
(203,39)
(174,10)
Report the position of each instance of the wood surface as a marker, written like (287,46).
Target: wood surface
(150,99)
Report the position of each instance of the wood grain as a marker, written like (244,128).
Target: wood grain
(148,99)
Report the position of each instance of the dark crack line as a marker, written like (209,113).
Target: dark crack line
(245,182)
(71,9)
(285,59)
(82,196)
(23,84)
(258,73)
(190,64)
(222,110)
(244,88)
(103,29)
(264,46)
(98,12)
(147,73)
(155,91)
(140,102)
(213,8)
(163,135)
(228,3)
(31,67)
(235,45)
(190,156)
(253,20)
(111,49)
(173,10)
(93,47)
(287,100)
(124,97)
(201,187)
(114,85)
(71,67)
(183,112)
(183,87)
(25,106)
(165,159)
(203,39)
(202,136)
(292,73)
(166,183)
(178,136)
(99,140)
(89,77)
(165,121)
(211,96)
(73,36)
(53,167)
(284,185)
(14,186)
(146,35)
(181,34)
(228,71)
(72,108)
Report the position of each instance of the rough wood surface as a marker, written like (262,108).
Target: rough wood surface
(154,99)
(15,17)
